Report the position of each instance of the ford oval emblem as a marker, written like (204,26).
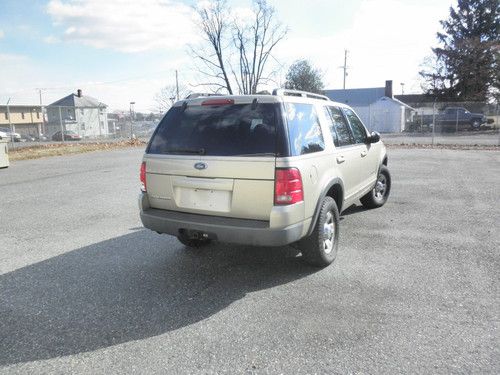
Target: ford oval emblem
(200,166)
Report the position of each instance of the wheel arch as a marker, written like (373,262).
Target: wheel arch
(335,190)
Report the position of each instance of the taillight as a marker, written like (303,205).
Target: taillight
(143,176)
(288,186)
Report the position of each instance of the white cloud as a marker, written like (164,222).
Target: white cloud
(2,34)
(51,39)
(126,26)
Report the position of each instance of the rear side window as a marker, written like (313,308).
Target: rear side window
(304,129)
(226,130)
(341,133)
(358,129)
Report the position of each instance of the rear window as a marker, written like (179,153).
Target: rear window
(227,130)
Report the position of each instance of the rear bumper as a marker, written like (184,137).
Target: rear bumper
(223,229)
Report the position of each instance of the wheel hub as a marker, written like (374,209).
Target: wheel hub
(328,233)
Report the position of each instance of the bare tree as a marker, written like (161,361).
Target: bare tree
(239,51)
(166,97)
(213,22)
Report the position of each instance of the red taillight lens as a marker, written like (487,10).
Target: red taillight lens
(143,176)
(288,186)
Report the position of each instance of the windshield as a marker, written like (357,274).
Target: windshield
(229,130)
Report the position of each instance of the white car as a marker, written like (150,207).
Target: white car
(6,133)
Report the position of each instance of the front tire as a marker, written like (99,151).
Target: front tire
(320,247)
(475,125)
(379,194)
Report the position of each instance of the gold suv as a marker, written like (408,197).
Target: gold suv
(263,170)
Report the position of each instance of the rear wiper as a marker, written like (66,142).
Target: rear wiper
(195,151)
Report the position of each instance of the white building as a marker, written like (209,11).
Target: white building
(84,115)
(376,107)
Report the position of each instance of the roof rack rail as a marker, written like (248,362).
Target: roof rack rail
(304,94)
(195,95)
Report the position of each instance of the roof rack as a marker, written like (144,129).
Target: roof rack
(304,94)
(194,95)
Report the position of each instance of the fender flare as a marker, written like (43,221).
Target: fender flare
(324,192)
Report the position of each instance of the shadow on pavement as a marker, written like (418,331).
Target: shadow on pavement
(128,288)
(353,209)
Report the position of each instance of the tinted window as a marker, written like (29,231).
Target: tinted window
(343,134)
(304,129)
(358,129)
(331,126)
(226,130)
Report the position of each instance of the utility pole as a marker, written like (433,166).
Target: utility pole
(10,123)
(131,120)
(177,84)
(345,66)
(42,129)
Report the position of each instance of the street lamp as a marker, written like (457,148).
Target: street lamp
(131,120)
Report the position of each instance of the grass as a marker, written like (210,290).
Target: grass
(47,150)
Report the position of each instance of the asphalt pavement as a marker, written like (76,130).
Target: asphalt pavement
(85,289)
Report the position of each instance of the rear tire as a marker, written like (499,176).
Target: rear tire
(193,242)
(320,247)
(379,194)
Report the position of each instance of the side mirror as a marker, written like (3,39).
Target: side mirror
(374,137)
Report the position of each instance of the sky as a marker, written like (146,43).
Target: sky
(120,51)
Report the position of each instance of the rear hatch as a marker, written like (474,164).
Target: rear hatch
(215,157)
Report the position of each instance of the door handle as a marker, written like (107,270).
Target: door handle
(364,153)
(340,159)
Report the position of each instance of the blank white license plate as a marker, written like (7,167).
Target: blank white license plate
(203,199)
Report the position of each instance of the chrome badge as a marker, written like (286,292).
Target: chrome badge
(200,166)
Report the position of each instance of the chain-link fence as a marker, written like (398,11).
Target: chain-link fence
(461,123)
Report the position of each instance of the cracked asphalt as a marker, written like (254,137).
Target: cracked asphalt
(85,289)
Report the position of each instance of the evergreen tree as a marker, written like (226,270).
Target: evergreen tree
(466,65)
(302,76)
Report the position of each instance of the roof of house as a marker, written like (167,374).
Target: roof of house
(356,97)
(20,106)
(73,100)
(397,102)
(416,98)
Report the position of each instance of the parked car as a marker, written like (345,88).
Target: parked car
(69,135)
(41,138)
(12,135)
(458,117)
(265,170)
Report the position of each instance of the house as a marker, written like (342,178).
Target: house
(377,107)
(82,114)
(25,119)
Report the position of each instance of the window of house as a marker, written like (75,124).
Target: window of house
(358,129)
(6,115)
(37,114)
(304,129)
(22,115)
(341,134)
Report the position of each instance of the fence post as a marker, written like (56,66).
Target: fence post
(433,121)
(497,126)
(61,123)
